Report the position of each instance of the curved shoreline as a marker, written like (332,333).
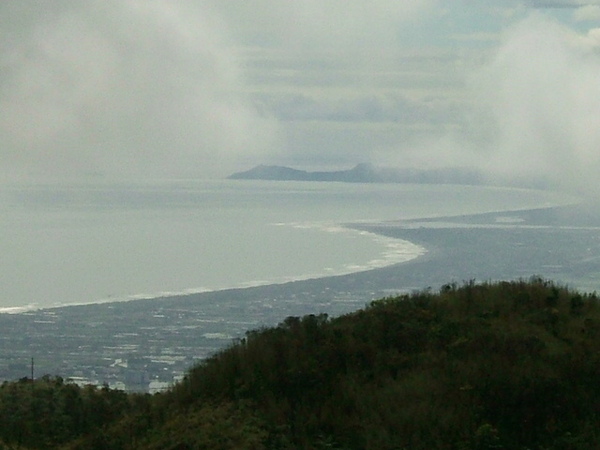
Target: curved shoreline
(378,231)
(395,251)
(392,251)
(188,328)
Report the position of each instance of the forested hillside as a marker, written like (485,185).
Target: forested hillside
(511,365)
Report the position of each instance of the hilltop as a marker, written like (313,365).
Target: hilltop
(510,365)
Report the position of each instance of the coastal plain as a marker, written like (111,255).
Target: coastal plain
(147,345)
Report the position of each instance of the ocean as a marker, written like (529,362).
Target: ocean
(67,244)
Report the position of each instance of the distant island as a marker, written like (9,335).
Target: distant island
(365,173)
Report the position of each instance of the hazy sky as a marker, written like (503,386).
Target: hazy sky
(180,88)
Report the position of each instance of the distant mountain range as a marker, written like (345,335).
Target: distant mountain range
(364,173)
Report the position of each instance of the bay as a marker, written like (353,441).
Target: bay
(70,244)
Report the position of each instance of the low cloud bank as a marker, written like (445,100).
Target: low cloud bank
(121,87)
(534,111)
(539,105)
(131,88)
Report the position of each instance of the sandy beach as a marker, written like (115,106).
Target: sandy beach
(562,244)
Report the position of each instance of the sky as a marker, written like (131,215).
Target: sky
(161,89)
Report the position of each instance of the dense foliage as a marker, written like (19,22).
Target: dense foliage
(50,411)
(511,365)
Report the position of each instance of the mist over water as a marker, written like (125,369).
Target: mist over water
(130,89)
(68,244)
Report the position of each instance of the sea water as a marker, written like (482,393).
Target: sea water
(72,244)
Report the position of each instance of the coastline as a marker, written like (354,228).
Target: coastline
(402,246)
(394,251)
(78,245)
(173,333)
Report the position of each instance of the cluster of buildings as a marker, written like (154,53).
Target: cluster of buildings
(144,345)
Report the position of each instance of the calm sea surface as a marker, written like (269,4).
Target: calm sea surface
(69,244)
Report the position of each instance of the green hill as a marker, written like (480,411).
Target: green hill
(512,365)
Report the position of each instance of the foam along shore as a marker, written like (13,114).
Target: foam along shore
(392,251)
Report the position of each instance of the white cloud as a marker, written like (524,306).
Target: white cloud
(123,87)
(160,88)
(320,24)
(540,105)
(587,13)
(560,3)
(196,87)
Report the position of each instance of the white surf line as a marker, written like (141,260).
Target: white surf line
(395,250)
